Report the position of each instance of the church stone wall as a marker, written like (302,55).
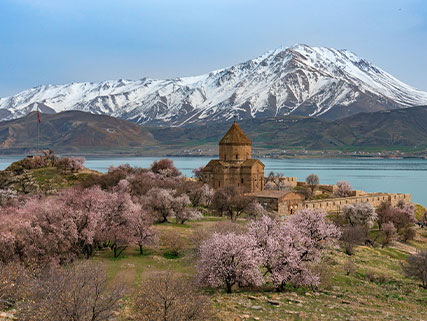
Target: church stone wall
(234,152)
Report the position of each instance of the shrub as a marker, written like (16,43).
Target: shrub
(375,278)
(174,242)
(202,196)
(162,204)
(351,237)
(165,167)
(408,233)
(343,189)
(78,292)
(198,172)
(416,266)
(360,214)
(73,164)
(313,181)
(232,202)
(275,181)
(182,211)
(388,234)
(349,267)
(169,297)
(403,215)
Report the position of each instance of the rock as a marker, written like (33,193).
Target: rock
(307,294)
(7,315)
(251,297)
(273,302)
(292,312)
(245,316)
(256,307)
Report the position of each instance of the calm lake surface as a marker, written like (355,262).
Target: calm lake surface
(370,175)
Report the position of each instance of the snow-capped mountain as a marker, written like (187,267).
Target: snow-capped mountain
(301,80)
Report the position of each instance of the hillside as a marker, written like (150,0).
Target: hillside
(84,133)
(73,132)
(300,80)
(404,129)
(45,180)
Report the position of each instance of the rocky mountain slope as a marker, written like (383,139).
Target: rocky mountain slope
(73,131)
(301,80)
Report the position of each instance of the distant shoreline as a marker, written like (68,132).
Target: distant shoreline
(308,156)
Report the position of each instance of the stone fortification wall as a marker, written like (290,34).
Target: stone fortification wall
(319,187)
(290,181)
(336,204)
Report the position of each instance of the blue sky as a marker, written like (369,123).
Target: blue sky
(60,41)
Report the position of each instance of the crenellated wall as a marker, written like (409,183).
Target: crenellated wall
(290,181)
(336,204)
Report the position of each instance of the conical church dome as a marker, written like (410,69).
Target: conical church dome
(235,136)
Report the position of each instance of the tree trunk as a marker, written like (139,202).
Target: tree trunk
(141,251)
(228,287)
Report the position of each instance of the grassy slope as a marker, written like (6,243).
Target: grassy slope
(46,179)
(388,295)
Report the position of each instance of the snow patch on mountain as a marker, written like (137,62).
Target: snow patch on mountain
(304,80)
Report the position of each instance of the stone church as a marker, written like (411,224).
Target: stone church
(235,166)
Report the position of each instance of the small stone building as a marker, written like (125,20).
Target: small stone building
(235,166)
(281,202)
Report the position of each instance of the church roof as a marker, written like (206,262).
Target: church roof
(251,162)
(212,163)
(235,136)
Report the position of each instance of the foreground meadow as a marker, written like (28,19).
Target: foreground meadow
(374,289)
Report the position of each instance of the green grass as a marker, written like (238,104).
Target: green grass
(51,178)
(378,290)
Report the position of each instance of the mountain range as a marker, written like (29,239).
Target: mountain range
(75,132)
(300,81)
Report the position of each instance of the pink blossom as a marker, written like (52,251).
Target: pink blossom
(229,259)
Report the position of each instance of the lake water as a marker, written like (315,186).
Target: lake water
(370,175)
